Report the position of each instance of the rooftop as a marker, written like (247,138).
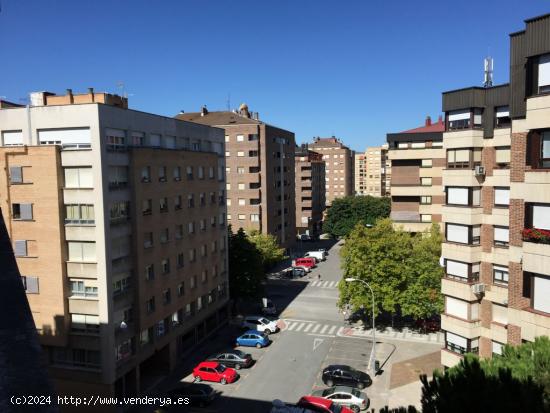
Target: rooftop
(438,126)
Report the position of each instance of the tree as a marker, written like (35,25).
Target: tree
(268,247)
(422,296)
(345,213)
(246,273)
(402,270)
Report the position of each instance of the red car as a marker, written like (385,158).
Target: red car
(322,405)
(213,371)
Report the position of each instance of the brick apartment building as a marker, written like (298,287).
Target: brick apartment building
(310,190)
(497,182)
(339,166)
(372,172)
(417,161)
(260,172)
(117,219)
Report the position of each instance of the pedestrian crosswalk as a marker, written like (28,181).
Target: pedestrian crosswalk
(324,284)
(311,327)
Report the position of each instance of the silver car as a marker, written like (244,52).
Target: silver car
(346,396)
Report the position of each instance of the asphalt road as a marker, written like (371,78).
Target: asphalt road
(291,366)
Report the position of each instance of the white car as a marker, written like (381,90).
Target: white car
(261,324)
(318,255)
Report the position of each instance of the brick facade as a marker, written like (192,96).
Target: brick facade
(515,287)
(485,347)
(517,159)
(486,273)
(514,334)
(485,313)
(488,159)
(487,199)
(517,221)
(487,235)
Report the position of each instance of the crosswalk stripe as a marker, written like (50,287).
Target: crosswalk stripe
(291,326)
(308,327)
(300,326)
(316,328)
(334,284)
(332,330)
(324,329)
(339,330)
(326,284)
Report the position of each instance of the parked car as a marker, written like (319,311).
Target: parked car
(261,324)
(199,394)
(303,237)
(319,404)
(236,359)
(346,376)
(268,307)
(294,272)
(253,338)
(299,267)
(304,262)
(318,255)
(346,396)
(214,371)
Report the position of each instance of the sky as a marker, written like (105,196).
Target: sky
(353,69)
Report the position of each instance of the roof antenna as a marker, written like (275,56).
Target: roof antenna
(229,102)
(488,72)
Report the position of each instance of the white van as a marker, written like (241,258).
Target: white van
(318,255)
(261,324)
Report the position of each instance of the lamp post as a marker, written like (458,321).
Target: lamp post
(372,363)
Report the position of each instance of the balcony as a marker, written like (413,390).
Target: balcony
(449,358)
(80,233)
(466,215)
(465,138)
(464,328)
(460,177)
(461,252)
(538,112)
(536,253)
(398,154)
(415,190)
(81,270)
(457,289)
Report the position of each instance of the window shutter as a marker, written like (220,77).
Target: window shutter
(20,248)
(533,149)
(32,285)
(26,211)
(16,174)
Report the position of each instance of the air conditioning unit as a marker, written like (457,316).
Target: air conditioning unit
(480,170)
(478,288)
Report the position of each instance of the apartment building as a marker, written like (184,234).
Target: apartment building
(497,213)
(417,160)
(310,190)
(371,170)
(260,172)
(118,224)
(339,166)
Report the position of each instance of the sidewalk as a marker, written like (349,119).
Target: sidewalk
(405,333)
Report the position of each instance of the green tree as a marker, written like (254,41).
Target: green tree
(345,213)
(268,247)
(376,255)
(422,296)
(246,273)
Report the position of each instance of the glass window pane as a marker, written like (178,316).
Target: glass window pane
(88,251)
(86,180)
(75,251)
(546,145)
(71,178)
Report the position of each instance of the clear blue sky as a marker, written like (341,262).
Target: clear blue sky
(356,69)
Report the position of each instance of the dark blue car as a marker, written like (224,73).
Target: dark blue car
(253,338)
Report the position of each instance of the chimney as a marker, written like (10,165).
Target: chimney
(204,111)
(70,95)
(440,119)
(91,93)
(428,121)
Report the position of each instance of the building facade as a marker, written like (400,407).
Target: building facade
(310,190)
(417,161)
(339,167)
(371,172)
(118,223)
(260,172)
(497,214)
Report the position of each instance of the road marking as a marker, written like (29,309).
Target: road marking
(339,331)
(325,327)
(316,328)
(320,335)
(317,342)
(332,330)
(300,326)
(326,284)
(291,326)
(308,327)
(295,319)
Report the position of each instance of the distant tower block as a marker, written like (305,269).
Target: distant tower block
(488,72)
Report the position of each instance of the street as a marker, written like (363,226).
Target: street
(313,335)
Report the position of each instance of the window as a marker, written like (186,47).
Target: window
(252,153)
(212,221)
(403,145)
(426,163)
(16,175)
(189,170)
(166,296)
(457,308)
(164,236)
(463,234)
(146,174)
(192,255)
(80,288)
(461,271)
(497,348)
(227,138)
(147,206)
(227,154)
(463,196)
(211,172)
(544,74)
(180,262)
(502,155)
(425,200)
(202,224)
(459,119)
(118,177)
(203,251)
(426,181)
(146,336)
(163,204)
(241,217)
(228,201)
(502,115)
(538,149)
(12,138)
(201,172)
(30,284)
(240,138)
(500,275)
(417,145)
(256,217)
(501,237)
(541,293)
(191,227)
(83,323)
(179,231)
(84,214)
(78,178)
(190,201)
(150,305)
(22,212)
(242,201)
(240,153)
(193,281)
(150,272)
(425,218)
(148,240)
(165,266)
(502,196)
(82,251)
(177,173)
(116,139)
(459,344)
(177,202)
(228,186)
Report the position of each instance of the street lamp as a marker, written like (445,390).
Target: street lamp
(372,363)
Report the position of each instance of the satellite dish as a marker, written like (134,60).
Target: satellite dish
(123,325)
